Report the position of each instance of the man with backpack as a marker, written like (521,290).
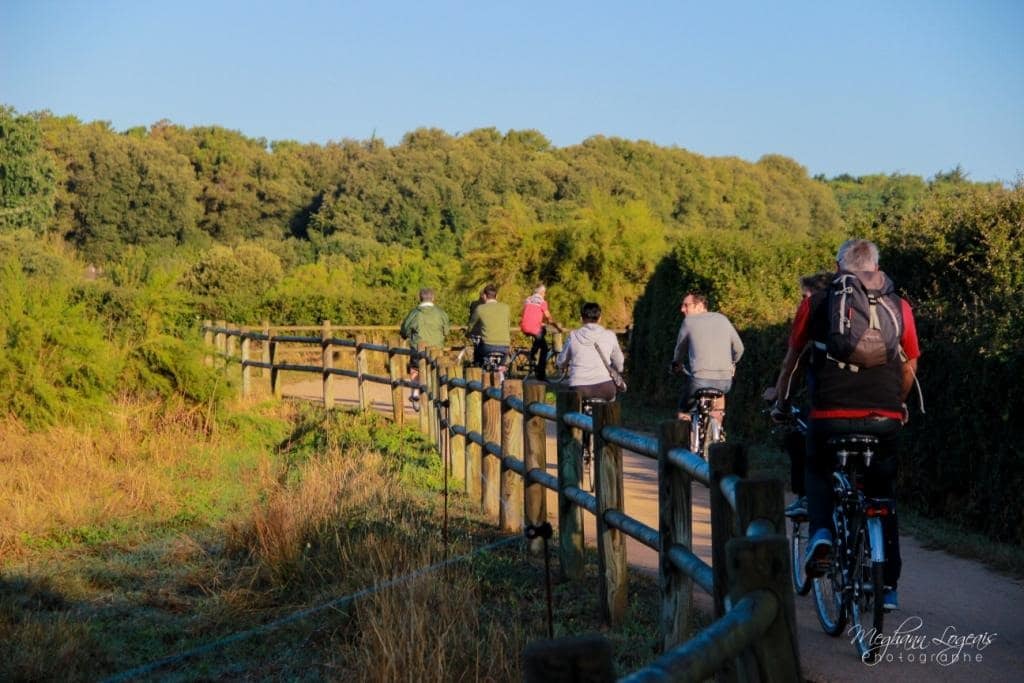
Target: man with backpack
(864,352)
(428,324)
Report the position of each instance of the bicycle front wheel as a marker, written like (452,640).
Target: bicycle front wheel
(830,601)
(798,548)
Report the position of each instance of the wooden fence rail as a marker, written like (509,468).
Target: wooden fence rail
(496,438)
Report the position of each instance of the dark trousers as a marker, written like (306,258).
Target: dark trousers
(539,353)
(879,479)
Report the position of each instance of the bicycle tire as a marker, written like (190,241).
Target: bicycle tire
(588,460)
(830,602)
(866,611)
(798,548)
(519,366)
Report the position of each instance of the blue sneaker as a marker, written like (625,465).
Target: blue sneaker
(891,601)
(819,553)
(798,508)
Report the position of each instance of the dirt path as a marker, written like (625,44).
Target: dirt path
(959,621)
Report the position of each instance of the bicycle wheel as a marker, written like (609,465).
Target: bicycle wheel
(798,548)
(830,601)
(519,366)
(587,480)
(866,611)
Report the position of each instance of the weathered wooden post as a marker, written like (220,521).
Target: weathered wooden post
(675,524)
(265,349)
(511,516)
(423,366)
(220,341)
(327,362)
(457,411)
(443,410)
(491,466)
(229,347)
(474,429)
(570,515)
(611,543)
(275,372)
(724,459)
(535,506)
(360,371)
(246,370)
(208,344)
(429,403)
(760,564)
(396,370)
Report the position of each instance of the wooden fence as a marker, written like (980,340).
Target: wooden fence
(495,440)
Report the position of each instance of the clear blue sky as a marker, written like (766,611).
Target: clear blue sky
(903,86)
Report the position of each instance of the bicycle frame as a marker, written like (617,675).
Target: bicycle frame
(704,428)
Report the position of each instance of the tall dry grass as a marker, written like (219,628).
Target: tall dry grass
(70,483)
(349,522)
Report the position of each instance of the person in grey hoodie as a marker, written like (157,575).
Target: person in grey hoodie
(583,352)
(707,350)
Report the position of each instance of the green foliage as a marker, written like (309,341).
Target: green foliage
(26,173)
(54,364)
(119,190)
(229,283)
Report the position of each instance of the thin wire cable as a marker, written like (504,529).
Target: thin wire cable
(296,616)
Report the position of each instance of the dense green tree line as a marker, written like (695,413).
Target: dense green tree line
(185,223)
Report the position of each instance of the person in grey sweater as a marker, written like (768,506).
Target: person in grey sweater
(583,353)
(707,350)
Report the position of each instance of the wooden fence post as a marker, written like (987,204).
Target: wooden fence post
(474,424)
(761,564)
(611,543)
(430,404)
(535,504)
(275,373)
(723,459)
(396,370)
(675,524)
(246,370)
(220,341)
(265,349)
(510,517)
(491,467)
(229,347)
(457,413)
(423,367)
(364,394)
(327,362)
(570,515)
(208,345)
(443,411)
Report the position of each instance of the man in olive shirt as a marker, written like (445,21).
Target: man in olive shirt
(491,321)
(428,324)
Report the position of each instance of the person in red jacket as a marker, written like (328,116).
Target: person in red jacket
(847,399)
(533,322)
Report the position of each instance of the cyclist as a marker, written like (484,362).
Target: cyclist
(426,323)
(847,399)
(532,322)
(588,352)
(707,350)
(794,442)
(490,322)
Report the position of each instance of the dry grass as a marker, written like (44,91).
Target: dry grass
(324,519)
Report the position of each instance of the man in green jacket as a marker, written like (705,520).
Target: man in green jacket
(427,324)
(490,321)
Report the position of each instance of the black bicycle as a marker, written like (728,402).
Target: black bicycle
(852,589)
(521,365)
(587,476)
(705,429)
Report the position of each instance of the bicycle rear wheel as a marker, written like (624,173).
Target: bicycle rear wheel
(519,367)
(588,463)
(830,601)
(866,610)
(798,548)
